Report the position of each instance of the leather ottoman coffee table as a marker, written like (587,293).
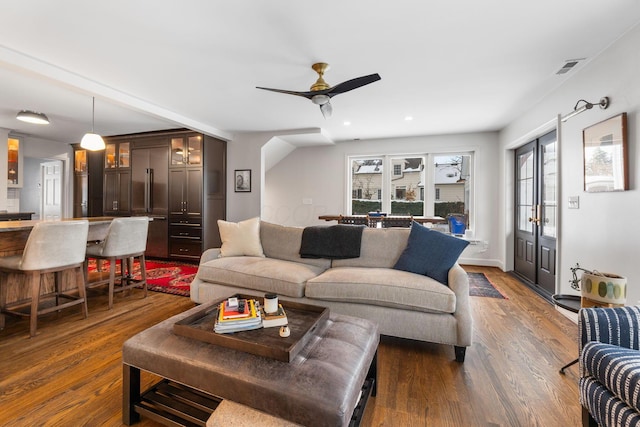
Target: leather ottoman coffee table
(323,385)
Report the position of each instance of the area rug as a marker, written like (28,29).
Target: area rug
(481,286)
(169,277)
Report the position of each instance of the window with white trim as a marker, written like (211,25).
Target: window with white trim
(420,185)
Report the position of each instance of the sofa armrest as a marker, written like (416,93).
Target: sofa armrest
(210,254)
(618,326)
(459,284)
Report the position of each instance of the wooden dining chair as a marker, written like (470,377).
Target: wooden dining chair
(126,240)
(52,247)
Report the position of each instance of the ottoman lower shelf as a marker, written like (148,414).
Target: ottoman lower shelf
(174,404)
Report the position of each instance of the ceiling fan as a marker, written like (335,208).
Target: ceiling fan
(321,93)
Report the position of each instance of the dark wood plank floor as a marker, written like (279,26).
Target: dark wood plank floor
(70,374)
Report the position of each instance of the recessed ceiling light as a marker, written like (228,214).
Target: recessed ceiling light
(347,123)
(408,118)
(33,117)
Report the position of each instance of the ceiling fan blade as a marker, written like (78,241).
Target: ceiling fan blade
(353,84)
(307,95)
(326,109)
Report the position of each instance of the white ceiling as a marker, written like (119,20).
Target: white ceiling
(461,66)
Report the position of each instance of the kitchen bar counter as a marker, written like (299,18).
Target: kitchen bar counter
(14,234)
(15,216)
(13,237)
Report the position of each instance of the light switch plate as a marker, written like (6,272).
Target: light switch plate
(574,202)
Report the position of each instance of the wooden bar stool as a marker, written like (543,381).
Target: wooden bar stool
(52,247)
(125,241)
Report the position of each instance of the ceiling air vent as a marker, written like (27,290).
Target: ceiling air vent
(568,65)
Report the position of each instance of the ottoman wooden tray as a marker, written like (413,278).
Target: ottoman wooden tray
(267,342)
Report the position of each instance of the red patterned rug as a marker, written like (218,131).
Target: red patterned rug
(169,277)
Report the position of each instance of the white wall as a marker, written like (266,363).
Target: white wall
(37,148)
(603,233)
(320,174)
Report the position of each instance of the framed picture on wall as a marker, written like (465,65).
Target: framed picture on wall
(605,155)
(242,179)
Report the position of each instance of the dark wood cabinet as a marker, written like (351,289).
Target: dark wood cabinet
(117,197)
(196,194)
(176,177)
(87,182)
(117,178)
(185,192)
(185,196)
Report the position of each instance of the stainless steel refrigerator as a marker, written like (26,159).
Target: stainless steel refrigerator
(150,195)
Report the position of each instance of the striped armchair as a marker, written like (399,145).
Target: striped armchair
(610,366)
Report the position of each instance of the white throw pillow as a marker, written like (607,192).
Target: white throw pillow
(240,238)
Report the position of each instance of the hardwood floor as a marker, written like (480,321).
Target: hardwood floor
(70,374)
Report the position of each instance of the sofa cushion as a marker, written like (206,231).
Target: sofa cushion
(380,247)
(240,238)
(260,274)
(382,286)
(617,368)
(283,242)
(431,253)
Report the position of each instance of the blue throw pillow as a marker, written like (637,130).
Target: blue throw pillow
(430,253)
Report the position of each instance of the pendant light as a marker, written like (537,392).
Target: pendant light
(92,141)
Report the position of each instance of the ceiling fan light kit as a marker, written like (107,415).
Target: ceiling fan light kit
(33,117)
(92,141)
(321,93)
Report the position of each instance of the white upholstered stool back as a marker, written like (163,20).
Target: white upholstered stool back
(52,247)
(55,244)
(125,236)
(126,239)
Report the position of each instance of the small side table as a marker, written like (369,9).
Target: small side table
(572,303)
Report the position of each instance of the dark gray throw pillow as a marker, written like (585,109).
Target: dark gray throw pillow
(430,253)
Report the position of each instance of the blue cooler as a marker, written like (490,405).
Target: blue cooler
(455,226)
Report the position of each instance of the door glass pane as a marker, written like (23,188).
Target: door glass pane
(13,157)
(110,156)
(549,199)
(525,191)
(195,150)
(177,151)
(123,155)
(366,186)
(80,160)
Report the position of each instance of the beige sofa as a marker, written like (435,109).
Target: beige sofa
(403,304)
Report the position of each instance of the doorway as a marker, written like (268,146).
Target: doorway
(51,196)
(43,189)
(536,212)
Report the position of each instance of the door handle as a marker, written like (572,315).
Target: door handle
(535,209)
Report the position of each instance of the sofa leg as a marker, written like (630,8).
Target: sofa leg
(587,419)
(460,352)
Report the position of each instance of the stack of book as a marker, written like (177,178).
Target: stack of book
(270,320)
(243,317)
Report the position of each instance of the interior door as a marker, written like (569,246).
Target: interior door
(536,213)
(51,190)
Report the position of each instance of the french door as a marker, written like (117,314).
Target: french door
(536,212)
